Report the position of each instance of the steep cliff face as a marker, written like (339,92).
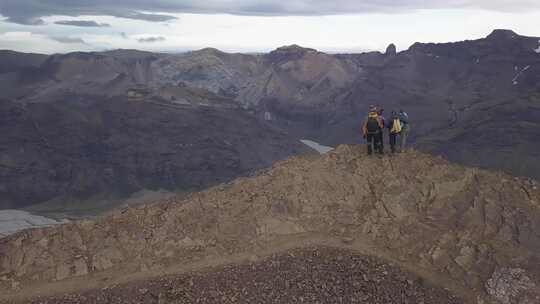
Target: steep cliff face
(471,231)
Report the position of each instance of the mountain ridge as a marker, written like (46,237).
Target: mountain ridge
(475,102)
(472,230)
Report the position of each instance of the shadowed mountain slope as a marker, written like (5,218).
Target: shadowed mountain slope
(85,149)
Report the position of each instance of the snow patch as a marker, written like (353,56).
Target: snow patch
(12,221)
(316,146)
(515,80)
(538,49)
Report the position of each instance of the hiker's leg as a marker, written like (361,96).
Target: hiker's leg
(392,137)
(369,139)
(379,143)
(403,137)
(407,135)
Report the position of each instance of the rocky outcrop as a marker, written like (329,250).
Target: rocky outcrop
(473,231)
(391,50)
(502,34)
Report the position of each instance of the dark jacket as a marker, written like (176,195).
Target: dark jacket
(373,115)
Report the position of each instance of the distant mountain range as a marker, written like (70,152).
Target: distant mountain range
(86,125)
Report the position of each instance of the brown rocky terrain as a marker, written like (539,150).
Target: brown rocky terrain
(312,275)
(471,231)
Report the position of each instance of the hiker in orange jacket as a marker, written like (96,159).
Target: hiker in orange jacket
(372,130)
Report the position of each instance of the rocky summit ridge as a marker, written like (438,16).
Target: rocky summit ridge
(471,231)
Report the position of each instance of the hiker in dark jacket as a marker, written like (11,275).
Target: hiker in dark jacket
(372,129)
(383,120)
(405,129)
(394,128)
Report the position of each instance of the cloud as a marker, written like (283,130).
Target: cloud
(82,23)
(67,40)
(30,11)
(147,17)
(151,39)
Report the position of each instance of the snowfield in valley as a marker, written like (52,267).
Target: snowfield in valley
(12,221)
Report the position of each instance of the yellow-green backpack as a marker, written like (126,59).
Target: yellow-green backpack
(396,127)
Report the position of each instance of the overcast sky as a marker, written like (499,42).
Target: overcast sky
(56,26)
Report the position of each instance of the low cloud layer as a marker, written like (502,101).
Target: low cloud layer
(151,39)
(31,11)
(177,25)
(68,40)
(82,23)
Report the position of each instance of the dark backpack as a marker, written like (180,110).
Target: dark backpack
(373,126)
(404,118)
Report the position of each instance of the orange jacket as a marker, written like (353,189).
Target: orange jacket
(372,115)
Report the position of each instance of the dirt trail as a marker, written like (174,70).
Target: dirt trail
(311,275)
(468,230)
(121,279)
